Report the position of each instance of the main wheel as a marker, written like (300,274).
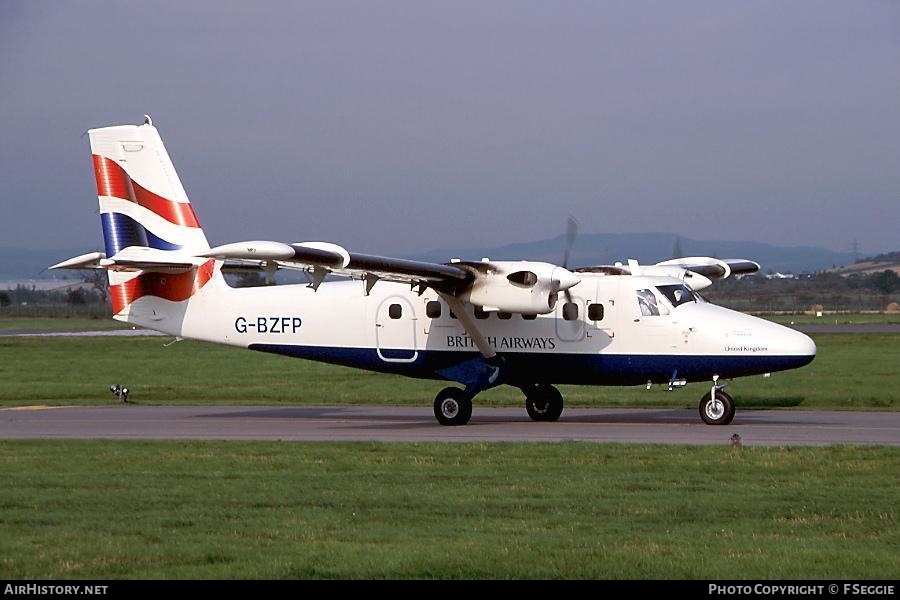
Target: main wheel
(544,403)
(719,411)
(452,406)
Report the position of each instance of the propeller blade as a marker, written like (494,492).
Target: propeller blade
(571,234)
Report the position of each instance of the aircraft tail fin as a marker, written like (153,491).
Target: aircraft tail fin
(142,201)
(151,234)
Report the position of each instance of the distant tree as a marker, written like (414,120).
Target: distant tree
(677,251)
(77,296)
(5,300)
(886,281)
(99,281)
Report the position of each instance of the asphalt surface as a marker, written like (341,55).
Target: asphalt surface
(395,424)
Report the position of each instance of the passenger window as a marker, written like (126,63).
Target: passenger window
(433,309)
(395,311)
(570,311)
(528,317)
(504,316)
(595,312)
(480,313)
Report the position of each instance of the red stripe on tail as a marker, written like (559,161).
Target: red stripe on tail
(176,288)
(112,180)
(179,213)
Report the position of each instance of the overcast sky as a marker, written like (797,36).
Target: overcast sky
(393,127)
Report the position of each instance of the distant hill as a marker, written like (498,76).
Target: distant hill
(649,248)
(876,264)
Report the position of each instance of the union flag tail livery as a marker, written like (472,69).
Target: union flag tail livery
(142,201)
(144,208)
(526,324)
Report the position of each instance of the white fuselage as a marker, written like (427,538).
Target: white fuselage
(390,330)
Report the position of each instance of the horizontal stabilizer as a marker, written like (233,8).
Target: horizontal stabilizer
(134,258)
(91,260)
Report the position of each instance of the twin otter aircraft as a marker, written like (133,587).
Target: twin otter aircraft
(479,324)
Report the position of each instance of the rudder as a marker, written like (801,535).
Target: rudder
(143,204)
(142,201)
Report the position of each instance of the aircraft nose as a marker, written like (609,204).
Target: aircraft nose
(799,346)
(806,346)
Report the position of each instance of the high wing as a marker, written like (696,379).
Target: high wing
(696,271)
(322,258)
(713,268)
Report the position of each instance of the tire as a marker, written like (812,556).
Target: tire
(544,403)
(719,413)
(452,407)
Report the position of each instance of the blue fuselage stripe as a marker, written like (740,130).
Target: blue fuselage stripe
(563,368)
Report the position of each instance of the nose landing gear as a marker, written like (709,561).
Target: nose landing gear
(717,407)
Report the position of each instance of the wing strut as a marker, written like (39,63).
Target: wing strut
(468,323)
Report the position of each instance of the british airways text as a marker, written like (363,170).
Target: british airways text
(267,324)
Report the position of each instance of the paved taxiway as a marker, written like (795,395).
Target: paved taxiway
(400,424)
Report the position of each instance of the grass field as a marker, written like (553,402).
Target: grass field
(31,324)
(79,509)
(851,371)
(837,319)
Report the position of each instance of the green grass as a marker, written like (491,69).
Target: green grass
(97,509)
(837,319)
(35,324)
(851,371)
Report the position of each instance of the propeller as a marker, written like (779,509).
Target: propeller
(571,234)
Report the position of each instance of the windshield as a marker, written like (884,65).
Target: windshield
(677,294)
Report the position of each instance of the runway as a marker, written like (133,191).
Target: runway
(401,424)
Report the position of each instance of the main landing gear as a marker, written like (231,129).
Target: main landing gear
(453,406)
(543,402)
(716,407)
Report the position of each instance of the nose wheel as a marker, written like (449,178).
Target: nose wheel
(718,409)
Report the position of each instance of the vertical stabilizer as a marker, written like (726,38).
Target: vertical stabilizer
(142,203)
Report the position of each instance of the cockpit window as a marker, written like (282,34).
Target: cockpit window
(677,294)
(647,303)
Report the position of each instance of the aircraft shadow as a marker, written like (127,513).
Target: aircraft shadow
(401,418)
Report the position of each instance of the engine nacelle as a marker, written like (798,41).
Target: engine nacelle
(696,281)
(519,287)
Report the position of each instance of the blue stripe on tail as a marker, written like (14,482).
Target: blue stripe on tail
(121,231)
